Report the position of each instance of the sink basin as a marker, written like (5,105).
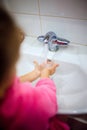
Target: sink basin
(71,84)
(70,80)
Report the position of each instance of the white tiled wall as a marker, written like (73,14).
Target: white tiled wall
(65,8)
(29,23)
(68,18)
(74,30)
(23,6)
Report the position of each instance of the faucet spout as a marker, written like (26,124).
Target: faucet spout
(52,45)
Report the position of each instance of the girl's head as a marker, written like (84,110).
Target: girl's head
(10,38)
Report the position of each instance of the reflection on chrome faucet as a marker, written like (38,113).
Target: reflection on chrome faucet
(53,41)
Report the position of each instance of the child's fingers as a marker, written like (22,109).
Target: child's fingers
(55,66)
(36,63)
(52,63)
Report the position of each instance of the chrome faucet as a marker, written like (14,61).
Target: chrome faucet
(53,41)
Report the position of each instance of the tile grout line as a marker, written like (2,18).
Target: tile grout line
(40,15)
(23,13)
(64,17)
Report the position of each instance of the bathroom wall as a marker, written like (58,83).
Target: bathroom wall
(67,18)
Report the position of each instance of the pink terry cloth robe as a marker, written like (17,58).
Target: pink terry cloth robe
(25,107)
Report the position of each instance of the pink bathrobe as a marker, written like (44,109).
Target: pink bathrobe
(28,108)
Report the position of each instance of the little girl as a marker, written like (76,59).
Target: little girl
(23,107)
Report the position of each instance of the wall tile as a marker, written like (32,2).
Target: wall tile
(30,23)
(23,6)
(65,8)
(73,30)
(72,27)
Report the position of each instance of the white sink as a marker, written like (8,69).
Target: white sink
(71,83)
(70,80)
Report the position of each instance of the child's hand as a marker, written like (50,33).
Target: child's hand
(48,67)
(51,66)
(37,68)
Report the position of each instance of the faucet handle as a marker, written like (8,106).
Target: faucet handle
(47,37)
(55,42)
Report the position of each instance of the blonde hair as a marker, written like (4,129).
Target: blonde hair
(10,38)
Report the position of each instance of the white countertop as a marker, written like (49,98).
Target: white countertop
(73,60)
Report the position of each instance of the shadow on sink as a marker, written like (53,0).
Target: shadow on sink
(70,80)
(71,84)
